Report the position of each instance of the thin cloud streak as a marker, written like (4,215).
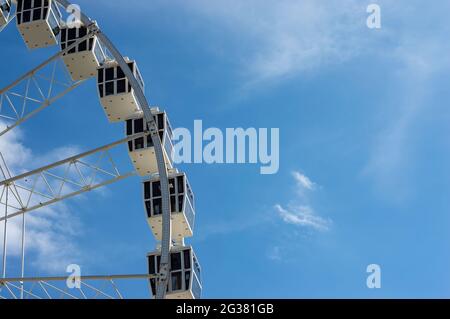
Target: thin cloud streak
(287,37)
(303,181)
(299,211)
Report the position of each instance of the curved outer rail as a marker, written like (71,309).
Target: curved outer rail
(162,169)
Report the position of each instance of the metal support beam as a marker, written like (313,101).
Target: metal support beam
(56,287)
(11,17)
(37,89)
(61,180)
(81,278)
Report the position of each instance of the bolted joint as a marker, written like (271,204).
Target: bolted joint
(153,128)
(93,28)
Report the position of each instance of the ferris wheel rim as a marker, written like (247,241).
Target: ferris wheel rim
(162,169)
(166,241)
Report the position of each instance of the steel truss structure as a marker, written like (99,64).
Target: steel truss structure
(84,287)
(58,181)
(37,89)
(30,94)
(10,18)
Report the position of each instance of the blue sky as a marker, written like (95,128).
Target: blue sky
(364,173)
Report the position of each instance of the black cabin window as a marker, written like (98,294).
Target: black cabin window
(100,90)
(121,86)
(157,206)
(156,189)
(180,181)
(187,279)
(180,203)
(138,126)
(72,33)
(109,88)
(172,186)
(173,203)
(147,190)
(129,127)
(82,46)
(175,261)
(26,16)
(151,265)
(36,14)
(100,75)
(26,4)
(109,74)
(176,281)
(148,208)
(139,143)
(120,74)
(63,35)
(82,32)
(187,259)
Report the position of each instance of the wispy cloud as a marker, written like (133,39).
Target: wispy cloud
(303,181)
(299,211)
(274,253)
(418,67)
(278,39)
(273,40)
(302,216)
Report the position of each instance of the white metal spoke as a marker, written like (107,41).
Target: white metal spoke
(25,97)
(91,287)
(38,186)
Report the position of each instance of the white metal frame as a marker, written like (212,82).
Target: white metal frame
(22,112)
(50,287)
(59,181)
(50,81)
(11,17)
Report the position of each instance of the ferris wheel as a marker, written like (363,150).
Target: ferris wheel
(85,52)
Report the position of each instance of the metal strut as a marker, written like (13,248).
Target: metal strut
(61,180)
(51,287)
(10,18)
(27,96)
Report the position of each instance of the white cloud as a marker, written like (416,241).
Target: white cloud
(271,40)
(302,216)
(12,150)
(50,233)
(299,211)
(277,39)
(417,68)
(50,239)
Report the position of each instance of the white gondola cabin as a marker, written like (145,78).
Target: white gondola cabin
(181,206)
(84,58)
(117,97)
(38,22)
(141,149)
(184,278)
(5,11)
